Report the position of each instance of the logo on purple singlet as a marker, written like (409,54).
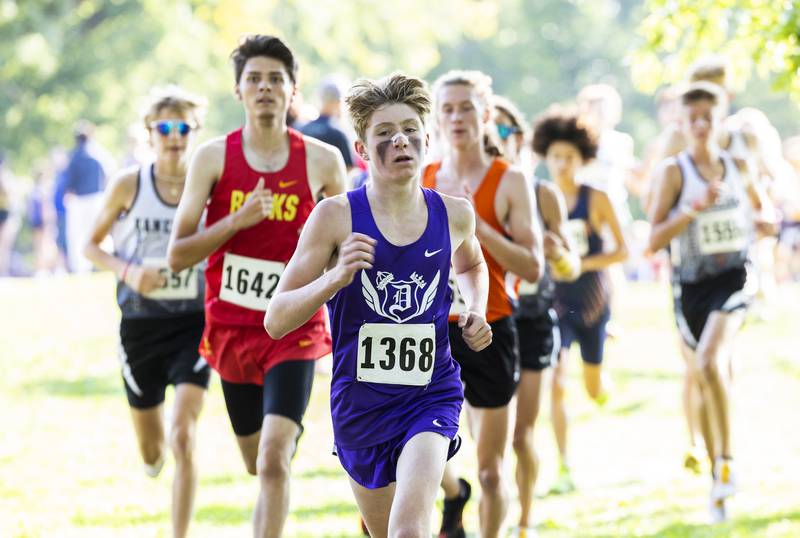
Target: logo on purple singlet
(398,300)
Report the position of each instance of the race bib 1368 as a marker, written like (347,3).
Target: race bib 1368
(396,353)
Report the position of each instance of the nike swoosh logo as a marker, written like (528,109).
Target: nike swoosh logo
(429,254)
(304,343)
(286,184)
(437,423)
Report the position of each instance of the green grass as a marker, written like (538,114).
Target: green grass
(69,466)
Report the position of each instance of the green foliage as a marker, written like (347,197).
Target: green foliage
(757,35)
(61,60)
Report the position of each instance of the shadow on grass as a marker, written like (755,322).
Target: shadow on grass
(655,375)
(224,514)
(327,510)
(223,480)
(787,366)
(122,517)
(320,472)
(739,526)
(75,388)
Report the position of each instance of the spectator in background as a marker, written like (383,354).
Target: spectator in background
(41,219)
(327,126)
(86,173)
(514,135)
(5,213)
(600,107)
(59,190)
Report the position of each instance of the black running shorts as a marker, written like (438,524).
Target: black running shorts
(490,376)
(725,292)
(539,341)
(285,392)
(156,352)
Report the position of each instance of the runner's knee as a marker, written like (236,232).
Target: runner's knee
(274,459)
(490,477)
(408,529)
(181,441)
(151,451)
(523,440)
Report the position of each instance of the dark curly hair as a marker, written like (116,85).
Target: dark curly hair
(559,126)
(263,45)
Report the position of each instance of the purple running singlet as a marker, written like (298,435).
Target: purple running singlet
(393,375)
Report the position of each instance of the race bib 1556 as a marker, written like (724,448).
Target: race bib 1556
(721,231)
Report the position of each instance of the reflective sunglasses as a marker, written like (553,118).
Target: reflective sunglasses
(504,131)
(165,127)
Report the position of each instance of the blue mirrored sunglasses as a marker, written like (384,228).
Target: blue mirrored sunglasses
(166,127)
(506,130)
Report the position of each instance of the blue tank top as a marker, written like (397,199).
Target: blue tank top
(391,353)
(589,294)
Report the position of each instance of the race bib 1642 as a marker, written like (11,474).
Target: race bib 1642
(249,282)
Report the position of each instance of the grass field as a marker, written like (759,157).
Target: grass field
(69,467)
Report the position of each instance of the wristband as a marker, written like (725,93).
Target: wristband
(561,265)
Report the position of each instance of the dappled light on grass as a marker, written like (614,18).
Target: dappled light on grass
(68,443)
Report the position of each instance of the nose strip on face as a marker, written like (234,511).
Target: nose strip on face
(400,139)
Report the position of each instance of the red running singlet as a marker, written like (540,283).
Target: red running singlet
(243,273)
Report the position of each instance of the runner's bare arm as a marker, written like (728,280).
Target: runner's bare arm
(118,198)
(559,251)
(188,245)
(326,242)
(670,142)
(327,174)
(522,255)
(765,216)
(608,216)
(665,194)
(471,273)
(469,266)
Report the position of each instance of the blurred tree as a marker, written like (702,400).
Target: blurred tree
(758,36)
(65,59)
(545,51)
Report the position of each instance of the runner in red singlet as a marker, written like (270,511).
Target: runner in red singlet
(258,185)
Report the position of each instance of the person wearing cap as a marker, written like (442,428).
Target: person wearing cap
(327,127)
(86,173)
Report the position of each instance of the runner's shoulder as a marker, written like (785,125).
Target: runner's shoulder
(514,178)
(333,211)
(320,153)
(126,181)
(460,212)
(212,150)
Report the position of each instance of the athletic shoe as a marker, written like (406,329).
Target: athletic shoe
(524,532)
(452,524)
(564,483)
(724,480)
(693,460)
(155,469)
(717,511)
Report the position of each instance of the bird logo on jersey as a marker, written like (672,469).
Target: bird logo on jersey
(398,300)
